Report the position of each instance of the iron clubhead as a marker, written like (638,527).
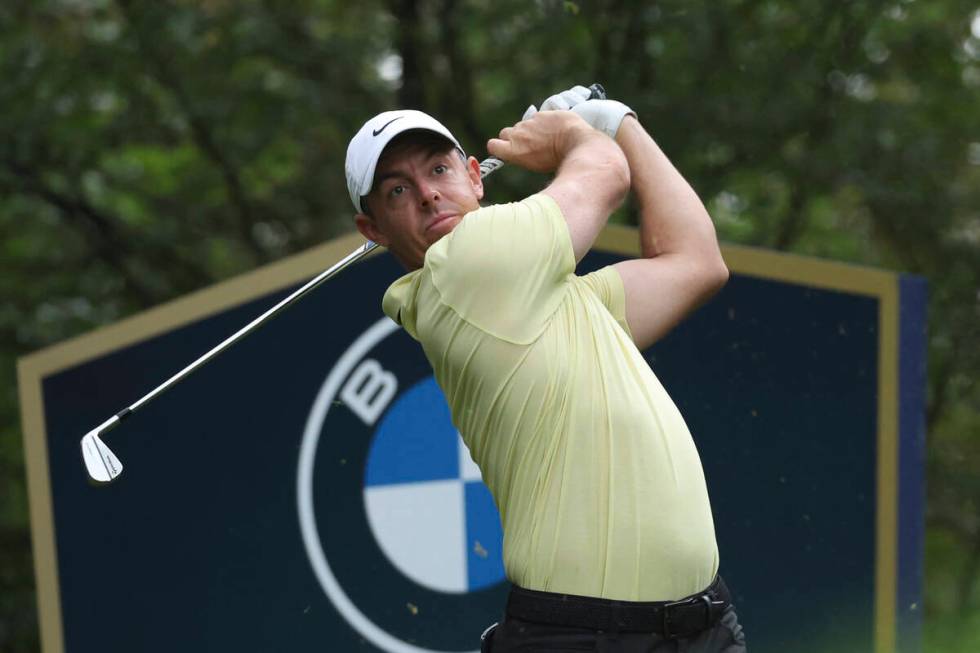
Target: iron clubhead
(100,463)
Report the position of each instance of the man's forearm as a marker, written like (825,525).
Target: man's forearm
(591,182)
(672,218)
(593,159)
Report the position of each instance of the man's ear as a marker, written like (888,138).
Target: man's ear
(369,229)
(473,170)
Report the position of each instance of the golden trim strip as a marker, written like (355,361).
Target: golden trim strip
(776,266)
(617,239)
(860,280)
(42,517)
(32,369)
(886,544)
(202,303)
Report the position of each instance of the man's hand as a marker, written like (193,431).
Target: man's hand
(541,142)
(604,115)
(592,173)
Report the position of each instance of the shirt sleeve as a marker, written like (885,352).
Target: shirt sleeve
(608,287)
(505,268)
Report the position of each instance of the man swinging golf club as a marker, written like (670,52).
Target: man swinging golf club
(608,533)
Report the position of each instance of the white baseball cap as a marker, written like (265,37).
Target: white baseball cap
(367,145)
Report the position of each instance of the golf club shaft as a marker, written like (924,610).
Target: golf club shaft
(356,255)
(487,166)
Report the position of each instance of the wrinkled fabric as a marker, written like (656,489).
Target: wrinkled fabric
(595,474)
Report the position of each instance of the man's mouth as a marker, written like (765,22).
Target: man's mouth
(439,220)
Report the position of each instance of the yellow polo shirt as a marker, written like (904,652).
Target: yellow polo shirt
(594,472)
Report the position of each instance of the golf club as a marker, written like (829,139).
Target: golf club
(103,466)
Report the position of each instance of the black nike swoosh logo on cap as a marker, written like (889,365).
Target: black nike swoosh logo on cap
(384,126)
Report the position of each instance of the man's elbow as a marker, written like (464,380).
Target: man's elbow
(714,271)
(616,171)
(623,177)
(716,275)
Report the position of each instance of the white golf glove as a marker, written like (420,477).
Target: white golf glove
(604,115)
(561,101)
(566,99)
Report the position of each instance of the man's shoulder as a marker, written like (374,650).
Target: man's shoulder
(399,301)
(530,205)
(503,268)
(537,203)
(497,232)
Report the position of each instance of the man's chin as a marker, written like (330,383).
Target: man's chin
(443,227)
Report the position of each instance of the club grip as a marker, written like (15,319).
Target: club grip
(597,92)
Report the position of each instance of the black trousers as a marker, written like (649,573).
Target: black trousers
(513,636)
(519,635)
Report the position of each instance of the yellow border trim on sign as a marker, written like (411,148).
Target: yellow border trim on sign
(39,498)
(860,280)
(32,369)
(617,239)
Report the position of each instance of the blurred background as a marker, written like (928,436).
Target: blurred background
(148,149)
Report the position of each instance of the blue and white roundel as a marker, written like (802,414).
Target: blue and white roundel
(426,503)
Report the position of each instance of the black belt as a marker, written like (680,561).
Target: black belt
(669,619)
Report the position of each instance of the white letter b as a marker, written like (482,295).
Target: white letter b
(369,390)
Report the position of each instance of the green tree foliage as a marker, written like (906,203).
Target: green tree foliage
(149,148)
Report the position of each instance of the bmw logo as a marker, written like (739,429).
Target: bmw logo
(400,530)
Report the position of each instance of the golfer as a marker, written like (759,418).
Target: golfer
(608,534)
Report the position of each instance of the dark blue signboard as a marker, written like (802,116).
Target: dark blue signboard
(306,491)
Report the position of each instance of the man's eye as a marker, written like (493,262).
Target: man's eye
(439,169)
(396,191)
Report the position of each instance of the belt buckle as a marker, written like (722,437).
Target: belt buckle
(694,600)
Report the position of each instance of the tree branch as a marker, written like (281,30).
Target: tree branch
(460,100)
(792,227)
(99,229)
(411,95)
(202,135)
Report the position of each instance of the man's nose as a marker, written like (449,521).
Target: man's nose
(428,193)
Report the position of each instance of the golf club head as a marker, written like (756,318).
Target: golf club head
(100,463)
